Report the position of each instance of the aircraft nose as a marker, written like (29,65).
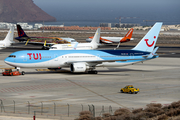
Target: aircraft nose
(6,60)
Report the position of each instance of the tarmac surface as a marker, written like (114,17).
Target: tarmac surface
(62,95)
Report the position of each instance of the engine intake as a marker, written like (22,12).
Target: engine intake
(78,67)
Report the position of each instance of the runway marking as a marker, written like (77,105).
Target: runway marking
(95,93)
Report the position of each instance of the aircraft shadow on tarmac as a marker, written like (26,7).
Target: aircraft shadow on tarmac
(119,70)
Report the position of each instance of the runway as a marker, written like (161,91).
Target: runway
(158,81)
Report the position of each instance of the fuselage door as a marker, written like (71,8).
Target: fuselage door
(24,57)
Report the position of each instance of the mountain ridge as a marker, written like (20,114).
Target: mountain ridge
(22,11)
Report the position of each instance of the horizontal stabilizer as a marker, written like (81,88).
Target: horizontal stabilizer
(153,53)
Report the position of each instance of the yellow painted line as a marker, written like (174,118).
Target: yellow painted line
(7,68)
(42,70)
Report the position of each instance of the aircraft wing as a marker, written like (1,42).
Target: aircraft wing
(100,61)
(103,40)
(40,43)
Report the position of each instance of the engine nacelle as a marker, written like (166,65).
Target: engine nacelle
(78,67)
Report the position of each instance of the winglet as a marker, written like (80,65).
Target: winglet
(45,43)
(75,46)
(27,42)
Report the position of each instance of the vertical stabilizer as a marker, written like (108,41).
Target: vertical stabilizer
(20,31)
(10,36)
(95,40)
(148,42)
(127,36)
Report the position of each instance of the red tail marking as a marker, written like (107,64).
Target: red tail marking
(148,43)
(127,36)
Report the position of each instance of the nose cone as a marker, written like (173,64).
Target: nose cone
(8,61)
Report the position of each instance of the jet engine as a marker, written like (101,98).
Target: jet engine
(78,67)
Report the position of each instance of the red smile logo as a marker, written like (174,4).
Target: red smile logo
(149,45)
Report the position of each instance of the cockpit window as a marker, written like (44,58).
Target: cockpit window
(13,56)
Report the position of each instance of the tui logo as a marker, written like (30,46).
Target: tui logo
(150,45)
(34,56)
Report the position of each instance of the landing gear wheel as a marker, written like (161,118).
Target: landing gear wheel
(23,73)
(95,72)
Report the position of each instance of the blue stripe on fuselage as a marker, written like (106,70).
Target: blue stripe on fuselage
(37,56)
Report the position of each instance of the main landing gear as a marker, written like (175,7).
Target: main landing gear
(18,69)
(92,72)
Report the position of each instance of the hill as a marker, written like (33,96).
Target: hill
(22,11)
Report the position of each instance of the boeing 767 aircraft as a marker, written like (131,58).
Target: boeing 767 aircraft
(87,60)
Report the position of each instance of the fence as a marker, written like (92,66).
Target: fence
(51,109)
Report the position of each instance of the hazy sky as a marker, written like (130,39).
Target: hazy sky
(110,9)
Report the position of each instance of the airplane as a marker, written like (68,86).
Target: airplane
(81,46)
(109,40)
(22,37)
(87,60)
(8,40)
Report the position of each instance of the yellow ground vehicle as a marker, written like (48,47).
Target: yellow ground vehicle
(129,89)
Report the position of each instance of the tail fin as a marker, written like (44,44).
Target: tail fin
(10,35)
(95,40)
(21,32)
(127,36)
(148,42)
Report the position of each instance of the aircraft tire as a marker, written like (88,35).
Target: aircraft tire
(23,72)
(95,72)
